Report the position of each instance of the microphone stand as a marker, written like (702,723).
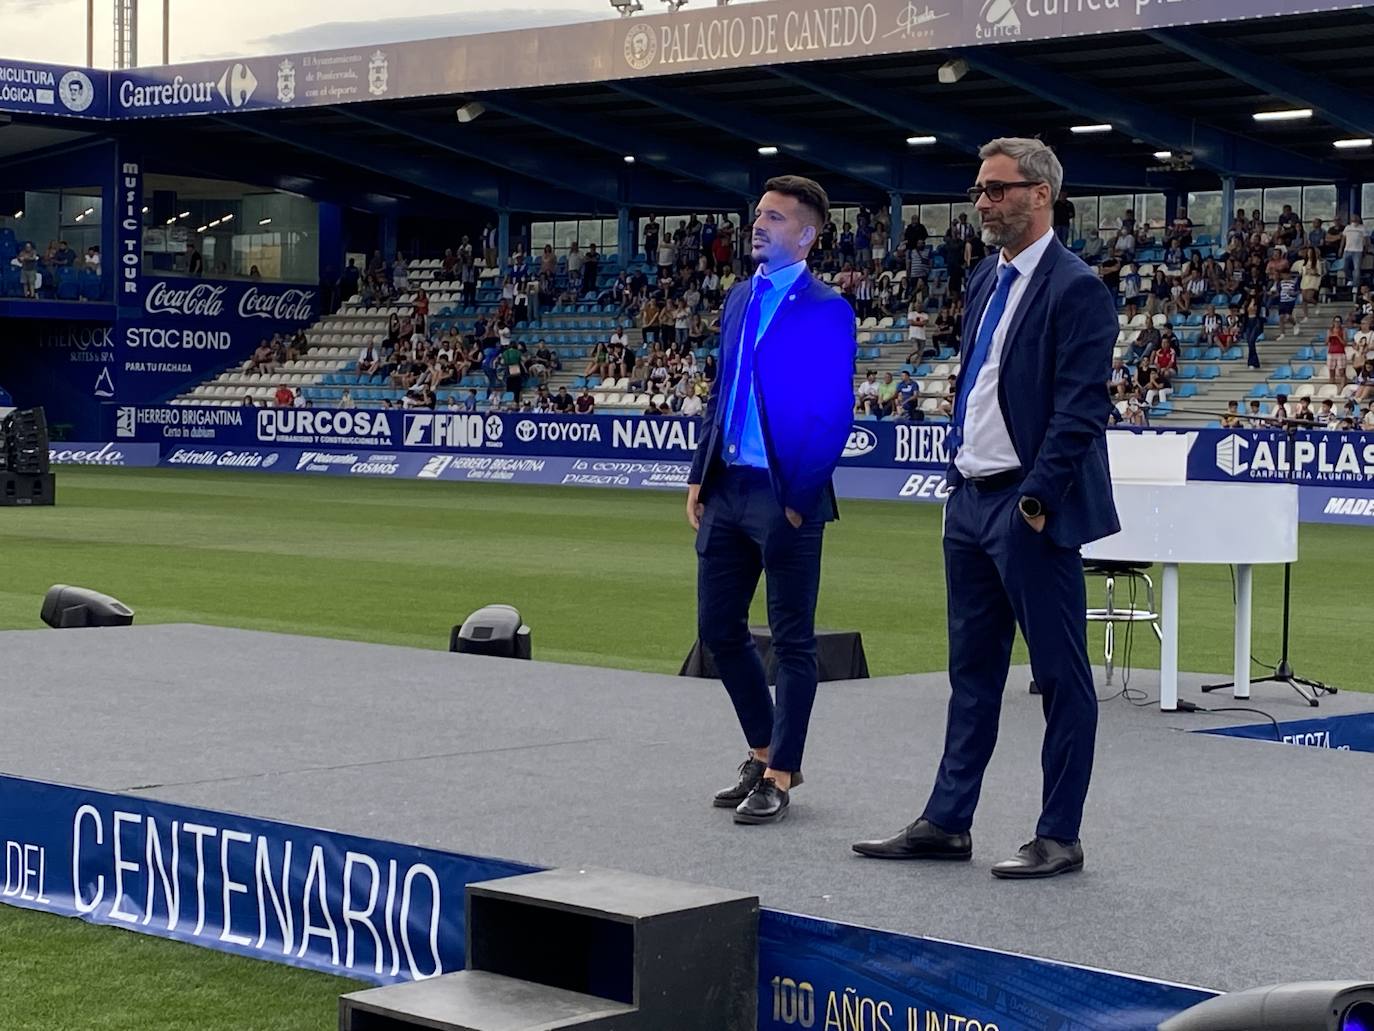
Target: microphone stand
(1308,690)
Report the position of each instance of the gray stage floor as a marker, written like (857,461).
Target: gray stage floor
(1211,860)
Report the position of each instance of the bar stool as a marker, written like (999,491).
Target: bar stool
(1134,573)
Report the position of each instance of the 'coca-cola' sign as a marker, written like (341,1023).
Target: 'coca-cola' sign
(200,299)
(292,305)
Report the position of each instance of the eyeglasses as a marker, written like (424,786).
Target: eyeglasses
(996,191)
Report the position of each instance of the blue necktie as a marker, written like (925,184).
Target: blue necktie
(744,369)
(992,315)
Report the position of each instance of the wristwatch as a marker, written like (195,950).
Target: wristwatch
(1031,507)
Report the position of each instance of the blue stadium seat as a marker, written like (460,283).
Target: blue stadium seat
(1191,354)
(1186,390)
(1160,410)
(1232,354)
(1212,354)
(1303,372)
(1304,354)
(1259,390)
(1276,389)
(89,284)
(1209,372)
(1187,372)
(1283,372)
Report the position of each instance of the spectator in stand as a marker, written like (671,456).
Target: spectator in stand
(92,259)
(1253,330)
(263,359)
(946,403)
(1181,233)
(867,401)
(945,332)
(195,264)
(1093,247)
(847,281)
(1136,414)
(1064,212)
(1316,236)
(920,259)
(1354,240)
(1231,420)
(1327,418)
(1212,322)
(27,260)
(346,399)
(285,397)
(880,241)
(1289,226)
(909,397)
(1286,294)
(963,229)
(848,250)
(667,257)
(1362,389)
(1110,272)
(1280,409)
(400,273)
(591,266)
(1311,270)
(1123,245)
(887,396)
(651,233)
(248,401)
(1360,346)
(863,245)
(1304,412)
(585,403)
(1254,418)
(691,404)
(954,252)
(1119,383)
(1335,352)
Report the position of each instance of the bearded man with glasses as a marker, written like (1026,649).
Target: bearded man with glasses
(1029,485)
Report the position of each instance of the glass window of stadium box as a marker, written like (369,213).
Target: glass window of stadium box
(1204,208)
(1366,200)
(1085,216)
(1276,198)
(52,216)
(1249,200)
(1318,202)
(935,217)
(234,227)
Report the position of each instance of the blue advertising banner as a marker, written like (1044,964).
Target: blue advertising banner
(1319,457)
(49,89)
(687,41)
(359,907)
(104,453)
(129,236)
(382,913)
(815,973)
(185,330)
(1350,733)
(67,367)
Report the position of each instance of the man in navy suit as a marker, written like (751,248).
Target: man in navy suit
(760,492)
(1029,484)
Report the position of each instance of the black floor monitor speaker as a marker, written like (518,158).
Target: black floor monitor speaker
(65,606)
(839,656)
(493,630)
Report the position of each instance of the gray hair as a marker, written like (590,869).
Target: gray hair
(1034,159)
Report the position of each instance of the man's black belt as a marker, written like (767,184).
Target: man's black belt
(996,482)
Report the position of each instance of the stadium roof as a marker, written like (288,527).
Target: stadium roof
(554,138)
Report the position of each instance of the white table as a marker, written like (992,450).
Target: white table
(1240,524)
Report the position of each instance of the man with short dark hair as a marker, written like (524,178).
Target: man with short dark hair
(760,489)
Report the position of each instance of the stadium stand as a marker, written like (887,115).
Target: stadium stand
(621,336)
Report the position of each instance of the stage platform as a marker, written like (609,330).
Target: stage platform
(1211,861)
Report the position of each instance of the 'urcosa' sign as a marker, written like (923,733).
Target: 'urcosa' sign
(203,299)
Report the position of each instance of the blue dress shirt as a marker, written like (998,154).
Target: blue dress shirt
(751,449)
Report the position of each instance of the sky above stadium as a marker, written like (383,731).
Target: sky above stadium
(54,31)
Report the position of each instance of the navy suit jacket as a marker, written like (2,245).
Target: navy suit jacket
(804,386)
(1052,390)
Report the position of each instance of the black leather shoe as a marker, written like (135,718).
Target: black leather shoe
(750,773)
(1043,857)
(767,803)
(921,840)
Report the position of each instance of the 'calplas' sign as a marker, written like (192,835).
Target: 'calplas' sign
(1268,456)
(369,909)
(183,331)
(47,89)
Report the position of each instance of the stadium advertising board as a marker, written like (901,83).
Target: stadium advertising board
(68,367)
(1353,732)
(104,453)
(690,40)
(186,330)
(384,913)
(49,89)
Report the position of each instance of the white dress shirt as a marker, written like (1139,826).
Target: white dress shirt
(987,448)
